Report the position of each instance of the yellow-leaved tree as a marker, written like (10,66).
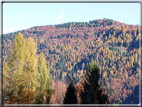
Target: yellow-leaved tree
(20,72)
(45,81)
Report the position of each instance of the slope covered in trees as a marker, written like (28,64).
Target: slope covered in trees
(69,47)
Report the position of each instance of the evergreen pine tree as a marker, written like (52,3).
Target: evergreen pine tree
(70,96)
(92,91)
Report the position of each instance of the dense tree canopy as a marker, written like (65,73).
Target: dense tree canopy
(69,47)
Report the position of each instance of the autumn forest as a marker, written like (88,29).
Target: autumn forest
(45,64)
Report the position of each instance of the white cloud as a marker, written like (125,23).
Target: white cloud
(10,29)
(59,18)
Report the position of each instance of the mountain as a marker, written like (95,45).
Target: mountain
(69,47)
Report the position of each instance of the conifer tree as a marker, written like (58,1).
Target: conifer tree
(19,71)
(44,80)
(31,63)
(92,91)
(70,96)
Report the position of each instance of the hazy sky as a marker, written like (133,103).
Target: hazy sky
(19,16)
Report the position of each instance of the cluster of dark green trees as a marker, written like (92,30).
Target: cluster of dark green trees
(93,23)
(92,93)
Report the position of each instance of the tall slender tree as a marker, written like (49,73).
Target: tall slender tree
(44,81)
(92,91)
(70,96)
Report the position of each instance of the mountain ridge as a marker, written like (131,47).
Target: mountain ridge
(69,47)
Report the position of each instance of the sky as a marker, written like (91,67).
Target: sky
(20,16)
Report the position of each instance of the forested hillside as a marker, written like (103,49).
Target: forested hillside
(69,47)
